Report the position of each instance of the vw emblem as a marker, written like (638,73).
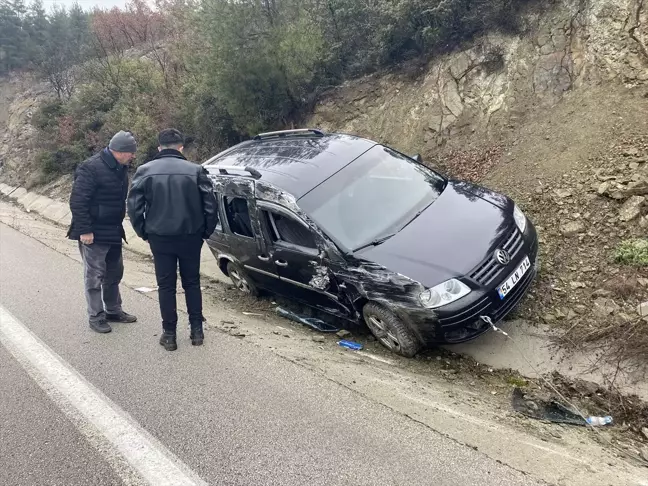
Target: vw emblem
(502,257)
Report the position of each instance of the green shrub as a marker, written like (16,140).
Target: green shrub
(632,252)
(61,161)
(139,121)
(94,98)
(207,123)
(46,116)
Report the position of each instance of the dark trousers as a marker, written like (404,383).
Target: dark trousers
(169,252)
(103,269)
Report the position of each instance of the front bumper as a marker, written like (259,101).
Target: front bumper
(461,321)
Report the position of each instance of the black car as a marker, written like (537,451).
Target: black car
(364,232)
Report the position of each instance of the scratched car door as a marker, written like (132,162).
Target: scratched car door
(300,264)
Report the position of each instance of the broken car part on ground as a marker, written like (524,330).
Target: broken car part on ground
(363,232)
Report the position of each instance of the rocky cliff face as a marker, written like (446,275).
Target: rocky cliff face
(566,46)
(20,97)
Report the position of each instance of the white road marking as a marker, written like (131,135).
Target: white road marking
(150,459)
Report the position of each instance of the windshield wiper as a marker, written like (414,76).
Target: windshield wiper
(375,242)
(418,213)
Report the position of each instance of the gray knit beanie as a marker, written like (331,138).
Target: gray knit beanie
(123,142)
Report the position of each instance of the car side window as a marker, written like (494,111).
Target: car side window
(238,216)
(285,229)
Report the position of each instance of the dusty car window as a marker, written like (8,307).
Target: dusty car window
(375,195)
(283,228)
(238,216)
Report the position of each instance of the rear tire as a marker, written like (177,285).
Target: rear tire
(390,330)
(241,280)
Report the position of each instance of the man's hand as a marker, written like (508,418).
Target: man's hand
(87,239)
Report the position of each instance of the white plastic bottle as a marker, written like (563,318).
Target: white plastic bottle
(598,421)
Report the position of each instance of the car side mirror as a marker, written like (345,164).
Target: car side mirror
(418,158)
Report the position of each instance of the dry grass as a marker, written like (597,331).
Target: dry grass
(624,342)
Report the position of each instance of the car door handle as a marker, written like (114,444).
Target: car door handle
(263,258)
(281,263)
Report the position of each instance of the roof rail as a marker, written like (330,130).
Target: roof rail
(223,169)
(285,133)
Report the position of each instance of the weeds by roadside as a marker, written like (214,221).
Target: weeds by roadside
(632,252)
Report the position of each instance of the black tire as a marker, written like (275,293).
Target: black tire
(392,332)
(241,280)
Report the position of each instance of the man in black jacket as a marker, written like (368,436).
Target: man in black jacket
(172,205)
(98,205)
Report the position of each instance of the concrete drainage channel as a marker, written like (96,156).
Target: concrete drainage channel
(54,211)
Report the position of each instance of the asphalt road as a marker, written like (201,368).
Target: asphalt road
(226,413)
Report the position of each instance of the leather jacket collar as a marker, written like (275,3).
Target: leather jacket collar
(169,153)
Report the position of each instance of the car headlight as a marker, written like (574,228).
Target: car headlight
(520,219)
(443,294)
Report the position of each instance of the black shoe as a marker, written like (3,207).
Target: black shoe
(168,340)
(101,327)
(121,317)
(197,337)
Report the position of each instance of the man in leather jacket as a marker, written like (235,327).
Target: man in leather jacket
(98,206)
(172,206)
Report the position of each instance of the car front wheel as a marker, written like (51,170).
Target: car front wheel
(391,331)
(240,280)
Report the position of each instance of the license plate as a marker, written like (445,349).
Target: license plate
(513,280)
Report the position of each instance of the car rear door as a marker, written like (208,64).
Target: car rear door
(242,234)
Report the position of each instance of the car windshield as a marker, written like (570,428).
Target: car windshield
(372,198)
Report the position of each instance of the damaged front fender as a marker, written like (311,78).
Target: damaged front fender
(369,282)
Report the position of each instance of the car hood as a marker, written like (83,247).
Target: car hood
(449,238)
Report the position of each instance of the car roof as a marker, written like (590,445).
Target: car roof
(294,162)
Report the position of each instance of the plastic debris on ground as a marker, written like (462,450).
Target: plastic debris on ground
(552,411)
(350,345)
(145,290)
(598,421)
(313,322)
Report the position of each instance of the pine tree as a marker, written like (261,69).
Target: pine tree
(13,37)
(79,24)
(37,26)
